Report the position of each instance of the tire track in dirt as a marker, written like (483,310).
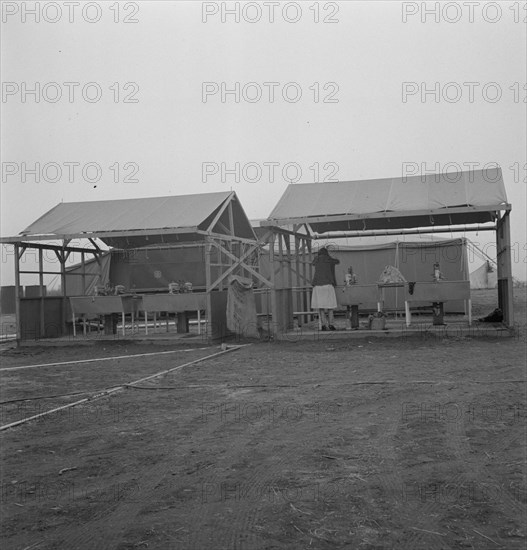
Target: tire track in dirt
(239,533)
(391,481)
(506,504)
(114,515)
(109,528)
(107,532)
(110,522)
(113,518)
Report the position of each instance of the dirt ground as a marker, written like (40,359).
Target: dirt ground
(415,443)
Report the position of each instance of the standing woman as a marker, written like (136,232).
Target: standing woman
(324,282)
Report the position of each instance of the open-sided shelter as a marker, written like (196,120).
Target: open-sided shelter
(414,259)
(210,233)
(431,203)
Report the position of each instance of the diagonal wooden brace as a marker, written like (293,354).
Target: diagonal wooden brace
(237,263)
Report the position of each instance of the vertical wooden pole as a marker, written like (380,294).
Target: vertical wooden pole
(303,271)
(273,329)
(281,261)
(73,318)
(41,291)
(287,240)
(17,293)
(298,283)
(62,259)
(208,282)
(309,267)
(220,264)
(504,261)
(83,261)
(289,300)
(307,278)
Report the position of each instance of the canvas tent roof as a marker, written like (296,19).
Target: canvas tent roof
(393,203)
(139,222)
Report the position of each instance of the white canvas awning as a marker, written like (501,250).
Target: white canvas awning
(393,203)
(140,222)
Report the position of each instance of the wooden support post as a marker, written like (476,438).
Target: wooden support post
(299,298)
(62,258)
(220,263)
(208,283)
(17,292)
(281,260)
(73,319)
(41,286)
(504,261)
(289,298)
(305,305)
(273,329)
(83,261)
(354,317)
(287,240)
(309,266)
(182,322)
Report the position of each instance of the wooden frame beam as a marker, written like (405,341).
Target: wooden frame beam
(222,209)
(103,234)
(38,246)
(227,237)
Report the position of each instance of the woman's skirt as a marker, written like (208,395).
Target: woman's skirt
(324,297)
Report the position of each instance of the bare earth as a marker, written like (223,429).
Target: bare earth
(356,443)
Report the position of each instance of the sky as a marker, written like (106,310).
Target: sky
(107,100)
